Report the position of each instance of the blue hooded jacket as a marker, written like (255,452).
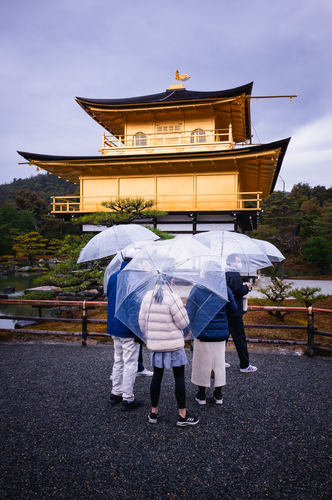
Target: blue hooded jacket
(217,329)
(114,325)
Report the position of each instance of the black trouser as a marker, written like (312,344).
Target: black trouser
(201,390)
(180,390)
(236,329)
(140,366)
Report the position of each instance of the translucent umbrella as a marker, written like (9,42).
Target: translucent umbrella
(271,250)
(113,239)
(115,264)
(168,271)
(227,243)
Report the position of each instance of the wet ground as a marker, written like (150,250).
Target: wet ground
(61,438)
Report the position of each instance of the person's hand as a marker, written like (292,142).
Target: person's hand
(248,285)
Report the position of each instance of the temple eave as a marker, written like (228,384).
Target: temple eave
(259,164)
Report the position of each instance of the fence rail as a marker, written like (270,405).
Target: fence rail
(84,321)
(242,201)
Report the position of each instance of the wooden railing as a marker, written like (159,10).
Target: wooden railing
(169,138)
(312,346)
(249,200)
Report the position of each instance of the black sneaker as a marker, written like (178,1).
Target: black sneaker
(153,418)
(131,405)
(200,398)
(218,398)
(115,399)
(187,420)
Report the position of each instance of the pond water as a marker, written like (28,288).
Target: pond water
(20,281)
(289,272)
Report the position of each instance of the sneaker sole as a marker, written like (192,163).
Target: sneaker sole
(152,420)
(186,424)
(219,401)
(247,371)
(201,401)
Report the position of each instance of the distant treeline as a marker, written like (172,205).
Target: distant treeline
(25,206)
(299,223)
(45,185)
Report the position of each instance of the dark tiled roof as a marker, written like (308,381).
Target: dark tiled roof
(170,96)
(103,159)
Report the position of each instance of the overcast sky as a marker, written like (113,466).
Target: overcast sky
(53,51)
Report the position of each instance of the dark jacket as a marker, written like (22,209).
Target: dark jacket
(235,283)
(201,300)
(114,325)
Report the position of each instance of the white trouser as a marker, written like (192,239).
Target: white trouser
(208,356)
(126,352)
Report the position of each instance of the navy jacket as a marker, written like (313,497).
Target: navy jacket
(217,328)
(235,283)
(114,325)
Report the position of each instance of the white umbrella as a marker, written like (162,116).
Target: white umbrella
(113,239)
(171,267)
(271,250)
(227,243)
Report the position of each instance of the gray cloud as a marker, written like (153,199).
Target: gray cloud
(54,51)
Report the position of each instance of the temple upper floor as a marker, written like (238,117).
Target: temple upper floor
(166,136)
(173,121)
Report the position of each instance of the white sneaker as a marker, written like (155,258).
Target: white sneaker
(111,376)
(249,369)
(144,373)
(227,365)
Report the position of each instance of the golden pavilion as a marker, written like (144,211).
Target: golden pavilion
(189,151)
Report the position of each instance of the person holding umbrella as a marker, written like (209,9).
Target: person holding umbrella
(162,319)
(117,264)
(235,320)
(126,350)
(209,346)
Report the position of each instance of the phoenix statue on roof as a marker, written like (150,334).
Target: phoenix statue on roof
(184,77)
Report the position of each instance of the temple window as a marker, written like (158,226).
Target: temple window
(169,128)
(140,139)
(198,135)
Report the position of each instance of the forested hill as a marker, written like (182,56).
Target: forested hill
(45,185)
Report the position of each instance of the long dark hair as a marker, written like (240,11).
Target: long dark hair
(158,297)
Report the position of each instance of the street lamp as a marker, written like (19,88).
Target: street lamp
(282,241)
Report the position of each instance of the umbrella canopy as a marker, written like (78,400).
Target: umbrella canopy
(164,273)
(113,239)
(228,243)
(115,264)
(271,250)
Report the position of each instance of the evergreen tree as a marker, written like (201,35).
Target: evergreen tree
(280,223)
(29,200)
(14,222)
(122,211)
(29,245)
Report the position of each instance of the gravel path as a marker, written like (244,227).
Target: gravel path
(61,439)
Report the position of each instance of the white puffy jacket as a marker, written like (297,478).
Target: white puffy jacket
(163,323)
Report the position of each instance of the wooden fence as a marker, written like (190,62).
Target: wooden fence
(312,346)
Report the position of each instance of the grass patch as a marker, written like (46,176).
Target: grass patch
(323,321)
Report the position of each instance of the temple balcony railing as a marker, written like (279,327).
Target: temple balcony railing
(170,142)
(241,201)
